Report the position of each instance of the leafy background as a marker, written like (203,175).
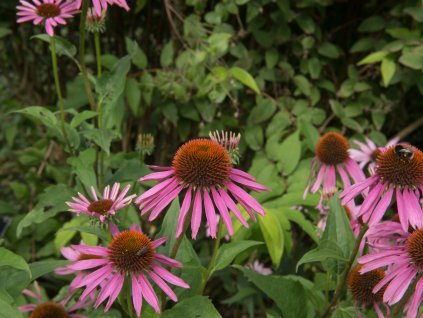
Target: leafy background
(279,72)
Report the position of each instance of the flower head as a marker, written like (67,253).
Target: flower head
(95,22)
(102,207)
(51,12)
(401,252)
(130,255)
(203,170)
(332,154)
(229,141)
(361,285)
(101,5)
(51,309)
(368,151)
(399,172)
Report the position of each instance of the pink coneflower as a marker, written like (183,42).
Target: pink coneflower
(203,168)
(229,140)
(362,285)
(103,207)
(399,172)
(332,154)
(402,253)
(132,255)
(101,5)
(368,151)
(47,309)
(51,12)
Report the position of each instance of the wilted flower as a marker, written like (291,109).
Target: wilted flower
(229,140)
(102,208)
(145,144)
(51,12)
(368,151)
(402,253)
(51,308)
(131,255)
(101,5)
(203,168)
(332,154)
(399,168)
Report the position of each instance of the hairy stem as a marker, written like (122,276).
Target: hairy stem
(341,283)
(98,52)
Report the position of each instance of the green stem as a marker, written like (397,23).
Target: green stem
(213,256)
(87,85)
(59,91)
(97,52)
(341,283)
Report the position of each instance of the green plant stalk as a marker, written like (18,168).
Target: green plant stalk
(341,283)
(214,255)
(87,85)
(98,52)
(59,91)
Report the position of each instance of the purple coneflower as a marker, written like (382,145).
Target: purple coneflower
(402,253)
(399,172)
(368,151)
(51,308)
(103,207)
(361,287)
(101,5)
(332,154)
(203,168)
(132,255)
(51,12)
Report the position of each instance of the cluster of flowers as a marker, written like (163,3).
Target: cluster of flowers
(202,172)
(388,201)
(55,12)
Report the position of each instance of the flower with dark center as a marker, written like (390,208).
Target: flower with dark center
(51,309)
(368,152)
(361,285)
(398,174)
(130,255)
(102,208)
(332,155)
(203,169)
(52,12)
(401,252)
(101,6)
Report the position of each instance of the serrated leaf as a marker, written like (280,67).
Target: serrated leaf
(245,78)
(101,137)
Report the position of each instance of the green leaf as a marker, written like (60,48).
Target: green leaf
(314,67)
(193,307)
(310,132)
(63,237)
(372,24)
(326,250)
(166,57)
(412,60)
(136,54)
(306,23)
(41,268)
(97,231)
(102,137)
(352,124)
(290,153)
(133,95)
(387,68)
(4,32)
(63,46)
(8,308)
(329,50)
(84,167)
(227,253)
(415,12)
(273,235)
(79,118)
(299,218)
(288,294)
(349,312)
(337,108)
(14,272)
(378,119)
(245,78)
(303,84)
(263,111)
(254,137)
(43,115)
(374,57)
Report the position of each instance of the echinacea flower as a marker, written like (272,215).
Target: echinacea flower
(50,309)
(399,174)
(102,207)
(401,252)
(101,5)
(228,140)
(130,255)
(203,169)
(368,151)
(362,285)
(51,12)
(95,22)
(332,154)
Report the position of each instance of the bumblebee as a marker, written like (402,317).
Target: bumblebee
(404,152)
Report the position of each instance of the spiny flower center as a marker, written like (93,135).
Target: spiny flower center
(414,247)
(332,148)
(48,10)
(131,252)
(375,154)
(401,165)
(49,310)
(202,163)
(100,206)
(361,285)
